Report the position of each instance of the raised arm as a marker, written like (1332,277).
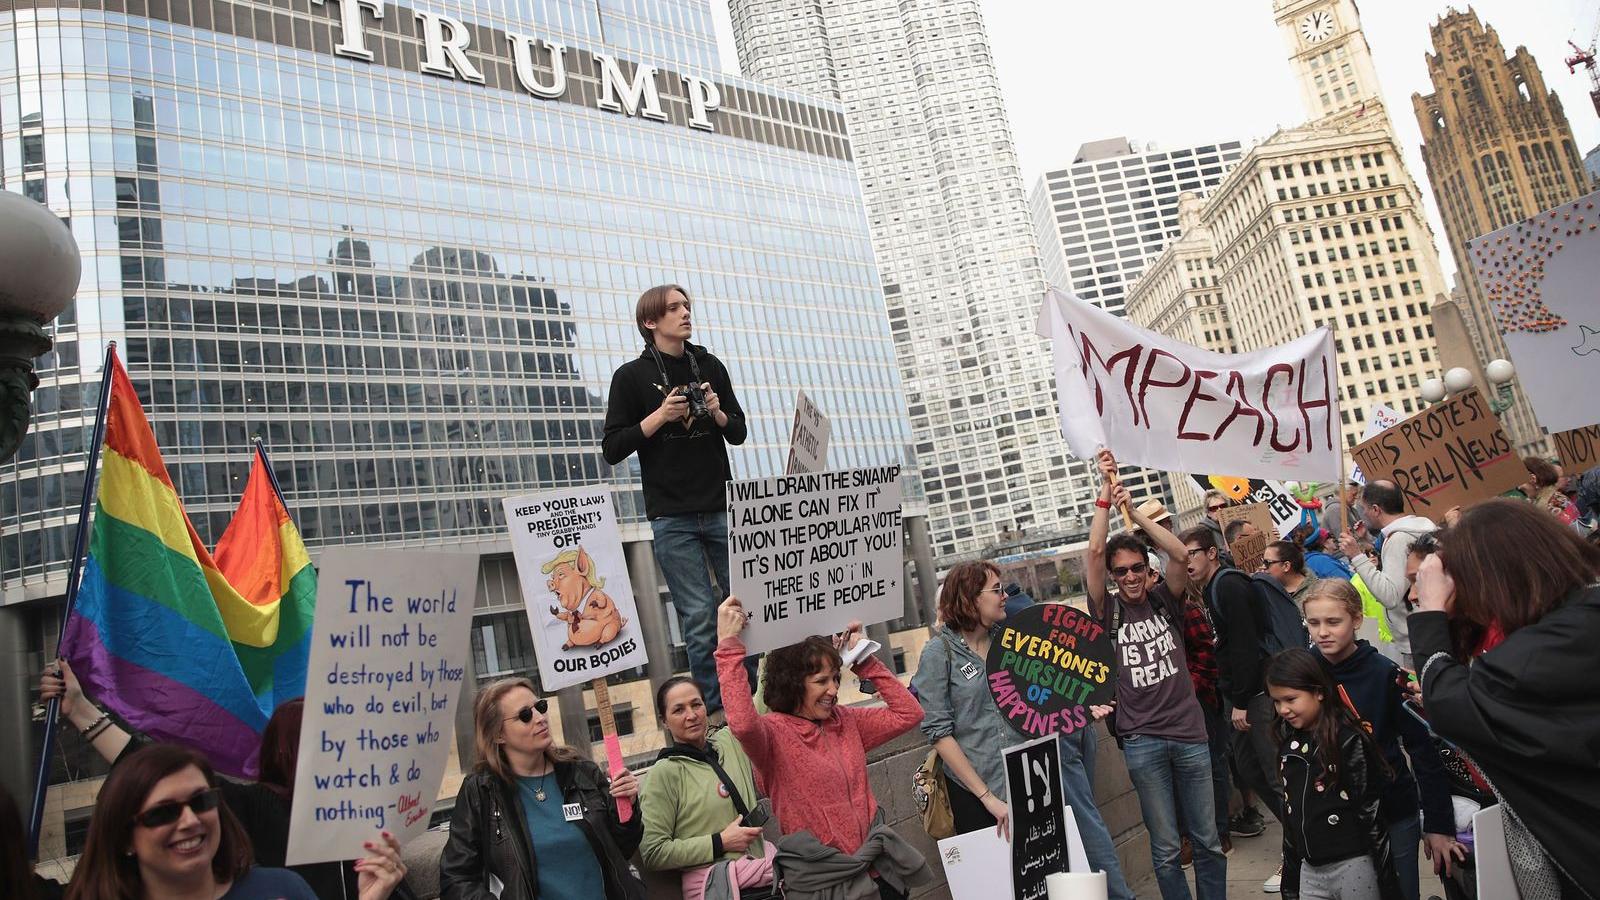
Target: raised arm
(1094,558)
(746,724)
(80,711)
(1177,554)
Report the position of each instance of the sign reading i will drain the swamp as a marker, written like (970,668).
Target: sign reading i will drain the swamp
(1047,665)
(809,553)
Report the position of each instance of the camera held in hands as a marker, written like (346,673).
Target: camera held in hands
(695,394)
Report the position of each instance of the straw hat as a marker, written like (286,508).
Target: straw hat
(1154,510)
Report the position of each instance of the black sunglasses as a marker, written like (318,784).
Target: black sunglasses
(163,814)
(1136,568)
(525,714)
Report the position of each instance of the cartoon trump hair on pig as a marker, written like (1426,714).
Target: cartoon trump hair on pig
(592,618)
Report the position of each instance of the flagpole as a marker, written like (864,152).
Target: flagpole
(271,478)
(41,782)
(1338,423)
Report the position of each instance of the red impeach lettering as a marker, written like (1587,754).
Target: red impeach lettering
(1146,381)
(1306,406)
(1196,394)
(1241,407)
(1266,402)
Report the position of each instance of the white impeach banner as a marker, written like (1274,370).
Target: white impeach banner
(388,661)
(809,553)
(1163,404)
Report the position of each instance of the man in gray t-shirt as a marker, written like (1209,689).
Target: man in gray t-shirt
(1159,723)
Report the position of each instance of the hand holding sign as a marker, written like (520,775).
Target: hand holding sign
(731,618)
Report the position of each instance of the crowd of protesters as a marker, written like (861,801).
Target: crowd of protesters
(1264,692)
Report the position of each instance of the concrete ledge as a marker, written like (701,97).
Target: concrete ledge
(889,768)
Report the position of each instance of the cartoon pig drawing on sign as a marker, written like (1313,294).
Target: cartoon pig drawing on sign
(592,618)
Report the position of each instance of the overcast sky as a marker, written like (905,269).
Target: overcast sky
(1179,72)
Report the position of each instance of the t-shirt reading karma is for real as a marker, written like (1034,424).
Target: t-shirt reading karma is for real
(1155,696)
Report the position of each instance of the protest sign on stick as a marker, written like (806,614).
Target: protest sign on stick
(1160,403)
(810,553)
(1247,550)
(808,439)
(1038,815)
(1451,454)
(388,657)
(1048,665)
(1579,449)
(1539,279)
(580,602)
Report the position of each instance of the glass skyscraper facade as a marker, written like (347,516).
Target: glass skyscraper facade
(403,246)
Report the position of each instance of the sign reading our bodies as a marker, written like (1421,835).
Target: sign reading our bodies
(1450,454)
(575,584)
(809,553)
(1049,663)
(388,658)
(1167,405)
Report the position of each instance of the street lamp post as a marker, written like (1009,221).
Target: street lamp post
(1499,373)
(39,272)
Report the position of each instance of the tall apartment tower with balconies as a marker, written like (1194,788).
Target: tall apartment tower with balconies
(955,249)
(1498,149)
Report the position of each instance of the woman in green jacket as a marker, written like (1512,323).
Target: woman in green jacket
(699,800)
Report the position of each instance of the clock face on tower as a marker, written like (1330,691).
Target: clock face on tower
(1317,26)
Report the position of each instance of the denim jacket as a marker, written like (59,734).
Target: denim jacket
(956,702)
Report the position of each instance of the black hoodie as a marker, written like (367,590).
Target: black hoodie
(1368,679)
(684,468)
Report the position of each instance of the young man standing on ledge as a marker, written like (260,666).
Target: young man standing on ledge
(675,406)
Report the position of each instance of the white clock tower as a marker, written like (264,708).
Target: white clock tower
(1331,59)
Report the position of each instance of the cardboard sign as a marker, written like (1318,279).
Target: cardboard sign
(388,655)
(809,553)
(1579,449)
(1285,510)
(575,583)
(1038,815)
(1247,551)
(1047,666)
(808,439)
(1167,405)
(1450,454)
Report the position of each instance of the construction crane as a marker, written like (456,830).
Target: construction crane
(1585,58)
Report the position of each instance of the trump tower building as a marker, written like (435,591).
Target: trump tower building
(402,244)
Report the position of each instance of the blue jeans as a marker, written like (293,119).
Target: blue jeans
(1077,787)
(1218,730)
(684,546)
(1404,837)
(1161,771)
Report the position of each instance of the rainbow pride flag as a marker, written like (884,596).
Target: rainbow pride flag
(262,557)
(156,627)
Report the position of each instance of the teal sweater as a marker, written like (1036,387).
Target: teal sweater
(682,808)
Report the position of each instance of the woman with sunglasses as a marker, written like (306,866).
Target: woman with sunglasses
(261,806)
(700,805)
(161,831)
(536,820)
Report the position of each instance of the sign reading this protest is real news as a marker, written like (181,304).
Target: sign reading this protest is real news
(1039,833)
(388,662)
(575,584)
(1451,454)
(810,553)
(1579,449)
(1047,666)
(808,440)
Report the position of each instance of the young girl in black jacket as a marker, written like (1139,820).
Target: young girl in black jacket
(1335,840)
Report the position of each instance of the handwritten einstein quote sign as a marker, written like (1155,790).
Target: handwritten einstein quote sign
(809,553)
(1049,663)
(575,583)
(388,662)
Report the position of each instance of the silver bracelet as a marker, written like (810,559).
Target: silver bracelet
(105,718)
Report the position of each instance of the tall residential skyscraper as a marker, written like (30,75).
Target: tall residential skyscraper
(1101,221)
(1321,224)
(954,244)
(1498,149)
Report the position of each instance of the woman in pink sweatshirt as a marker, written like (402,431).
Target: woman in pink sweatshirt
(810,753)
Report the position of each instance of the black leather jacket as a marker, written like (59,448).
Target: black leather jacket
(1342,820)
(489,836)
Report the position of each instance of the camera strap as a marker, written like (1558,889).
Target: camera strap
(661,365)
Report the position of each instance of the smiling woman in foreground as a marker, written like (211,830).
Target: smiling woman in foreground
(810,755)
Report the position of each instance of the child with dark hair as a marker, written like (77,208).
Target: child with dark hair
(1335,839)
